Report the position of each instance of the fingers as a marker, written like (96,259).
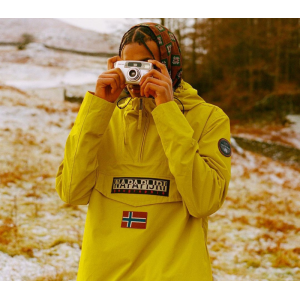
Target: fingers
(160,65)
(163,75)
(113,78)
(118,74)
(110,83)
(104,82)
(157,78)
(154,81)
(111,61)
(116,77)
(113,81)
(152,89)
(156,74)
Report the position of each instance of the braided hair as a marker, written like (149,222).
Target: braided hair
(139,35)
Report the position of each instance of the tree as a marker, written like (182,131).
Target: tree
(243,60)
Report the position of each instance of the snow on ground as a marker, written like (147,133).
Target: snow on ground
(254,236)
(288,134)
(37,67)
(54,32)
(295,124)
(40,236)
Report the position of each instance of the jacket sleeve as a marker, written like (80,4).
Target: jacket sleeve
(202,173)
(77,173)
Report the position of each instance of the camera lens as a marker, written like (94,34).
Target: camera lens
(132,73)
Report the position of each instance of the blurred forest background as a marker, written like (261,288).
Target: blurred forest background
(243,65)
(248,67)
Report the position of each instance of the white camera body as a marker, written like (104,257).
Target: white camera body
(133,70)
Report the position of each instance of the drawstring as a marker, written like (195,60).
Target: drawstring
(124,118)
(122,99)
(181,104)
(140,114)
(140,111)
(125,115)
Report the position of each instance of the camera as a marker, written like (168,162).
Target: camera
(133,70)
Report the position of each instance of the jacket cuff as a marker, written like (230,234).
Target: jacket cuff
(94,114)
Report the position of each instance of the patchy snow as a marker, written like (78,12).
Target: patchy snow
(45,265)
(295,126)
(254,236)
(54,32)
(288,135)
(39,239)
(32,69)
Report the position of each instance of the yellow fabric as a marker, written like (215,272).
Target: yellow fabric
(105,143)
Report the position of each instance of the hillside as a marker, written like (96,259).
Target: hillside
(37,67)
(56,33)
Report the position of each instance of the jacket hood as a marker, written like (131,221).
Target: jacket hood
(188,96)
(185,93)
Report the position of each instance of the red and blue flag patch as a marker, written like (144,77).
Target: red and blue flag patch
(134,219)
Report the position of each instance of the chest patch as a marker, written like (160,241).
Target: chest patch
(224,147)
(134,219)
(138,186)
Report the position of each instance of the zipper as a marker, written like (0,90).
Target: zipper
(144,136)
(140,114)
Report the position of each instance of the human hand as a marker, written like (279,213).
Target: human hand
(157,84)
(111,82)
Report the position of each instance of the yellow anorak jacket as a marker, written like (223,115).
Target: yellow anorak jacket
(151,176)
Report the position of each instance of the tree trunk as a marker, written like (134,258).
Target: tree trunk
(277,59)
(250,56)
(194,54)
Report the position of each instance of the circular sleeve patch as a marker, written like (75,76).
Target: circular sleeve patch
(224,147)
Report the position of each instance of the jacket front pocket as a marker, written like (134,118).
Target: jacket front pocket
(138,191)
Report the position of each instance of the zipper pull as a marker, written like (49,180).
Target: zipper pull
(140,114)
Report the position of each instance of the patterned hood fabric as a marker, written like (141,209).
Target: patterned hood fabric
(169,50)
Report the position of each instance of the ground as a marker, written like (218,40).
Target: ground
(254,236)
(287,135)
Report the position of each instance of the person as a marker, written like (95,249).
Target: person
(151,168)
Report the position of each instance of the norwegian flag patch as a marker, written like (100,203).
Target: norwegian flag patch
(134,219)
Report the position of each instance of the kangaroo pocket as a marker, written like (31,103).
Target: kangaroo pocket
(138,191)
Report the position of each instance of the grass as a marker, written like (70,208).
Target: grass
(8,231)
